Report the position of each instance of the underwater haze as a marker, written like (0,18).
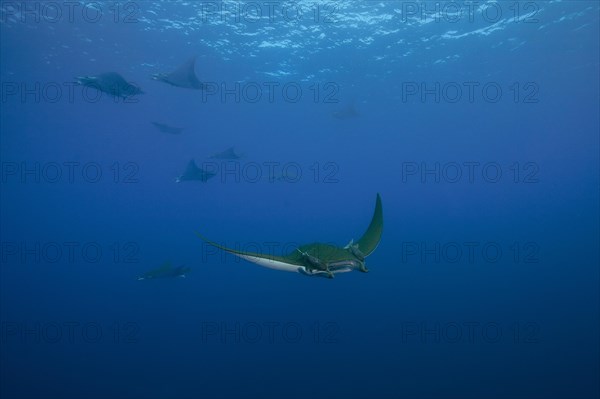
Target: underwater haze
(155,155)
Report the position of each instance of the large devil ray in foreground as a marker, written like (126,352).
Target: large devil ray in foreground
(318,259)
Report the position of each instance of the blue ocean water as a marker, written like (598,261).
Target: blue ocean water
(477,123)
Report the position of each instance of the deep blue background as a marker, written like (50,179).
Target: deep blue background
(362,349)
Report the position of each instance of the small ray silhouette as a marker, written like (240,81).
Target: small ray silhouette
(166,270)
(193,172)
(111,83)
(184,76)
(347,112)
(167,129)
(227,154)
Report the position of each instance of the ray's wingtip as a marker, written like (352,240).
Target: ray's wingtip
(200,235)
(203,238)
(378,201)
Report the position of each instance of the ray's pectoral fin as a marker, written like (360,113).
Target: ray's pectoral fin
(370,239)
(288,263)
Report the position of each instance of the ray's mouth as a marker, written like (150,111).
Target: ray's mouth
(344,264)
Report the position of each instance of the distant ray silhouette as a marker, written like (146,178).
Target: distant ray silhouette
(111,83)
(227,154)
(193,172)
(348,112)
(184,76)
(167,129)
(166,270)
